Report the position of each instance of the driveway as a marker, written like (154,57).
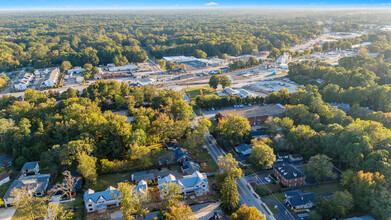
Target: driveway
(7,213)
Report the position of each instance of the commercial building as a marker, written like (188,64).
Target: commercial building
(76,70)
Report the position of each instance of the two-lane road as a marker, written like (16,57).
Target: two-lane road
(245,195)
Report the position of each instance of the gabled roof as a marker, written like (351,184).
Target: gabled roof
(180,153)
(243,147)
(109,194)
(187,181)
(172,144)
(3,175)
(38,182)
(141,186)
(298,198)
(30,166)
(190,166)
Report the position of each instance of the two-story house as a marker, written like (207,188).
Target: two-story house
(194,184)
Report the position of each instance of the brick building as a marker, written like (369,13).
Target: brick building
(288,175)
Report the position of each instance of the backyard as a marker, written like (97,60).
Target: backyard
(194,91)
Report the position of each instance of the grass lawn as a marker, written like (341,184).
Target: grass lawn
(272,209)
(279,196)
(106,180)
(194,91)
(322,189)
(78,205)
(4,188)
(203,156)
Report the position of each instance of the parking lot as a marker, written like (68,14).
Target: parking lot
(259,178)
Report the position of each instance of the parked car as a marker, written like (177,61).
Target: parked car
(268,179)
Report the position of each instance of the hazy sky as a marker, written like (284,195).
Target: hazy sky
(129,4)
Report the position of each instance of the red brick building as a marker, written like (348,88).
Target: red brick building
(288,175)
(255,114)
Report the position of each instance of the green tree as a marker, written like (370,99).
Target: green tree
(225,81)
(56,211)
(228,166)
(200,54)
(65,66)
(214,81)
(233,129)
(262,156)
(320,167)
(229,195)
(87,166)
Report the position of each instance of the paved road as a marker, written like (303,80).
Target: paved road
(7,213)
(283,215)
(245,195)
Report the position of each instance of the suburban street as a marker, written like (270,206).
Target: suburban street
(245,195)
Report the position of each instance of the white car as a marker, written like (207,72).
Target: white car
(268,179)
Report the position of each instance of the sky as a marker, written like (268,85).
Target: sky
(153,4)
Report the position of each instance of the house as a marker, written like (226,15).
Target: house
(295,157)
(172,145)
(30,168)
(255,114)
(189,167)
(244,149)
(36,183)
(79,79)
(4,178)
(283,155)
(181,155)
(94,201)
(52,78)
(24,82)
(145,82)
(195,184)
(143,175)
(101,200)
(298,200)
(288,175)
(76,70)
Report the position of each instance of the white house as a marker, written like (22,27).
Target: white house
(110,197)
(4,178)
(24,82)
(30,168)
(194,184)
(52,77)
(100,200)
(76,70)
(79,79)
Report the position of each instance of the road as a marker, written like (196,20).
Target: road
(245,195)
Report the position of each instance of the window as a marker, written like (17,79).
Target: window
(90,204)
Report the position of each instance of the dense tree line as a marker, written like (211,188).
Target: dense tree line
(76,131)
(48,39)
(311,126)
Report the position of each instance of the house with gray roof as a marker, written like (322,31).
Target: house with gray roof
(36,183)
(189,167)
(181,155)
(195,184)
(244,149)
(101,200)
(296,199)
(30,168)
(143,175)
(94,201)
